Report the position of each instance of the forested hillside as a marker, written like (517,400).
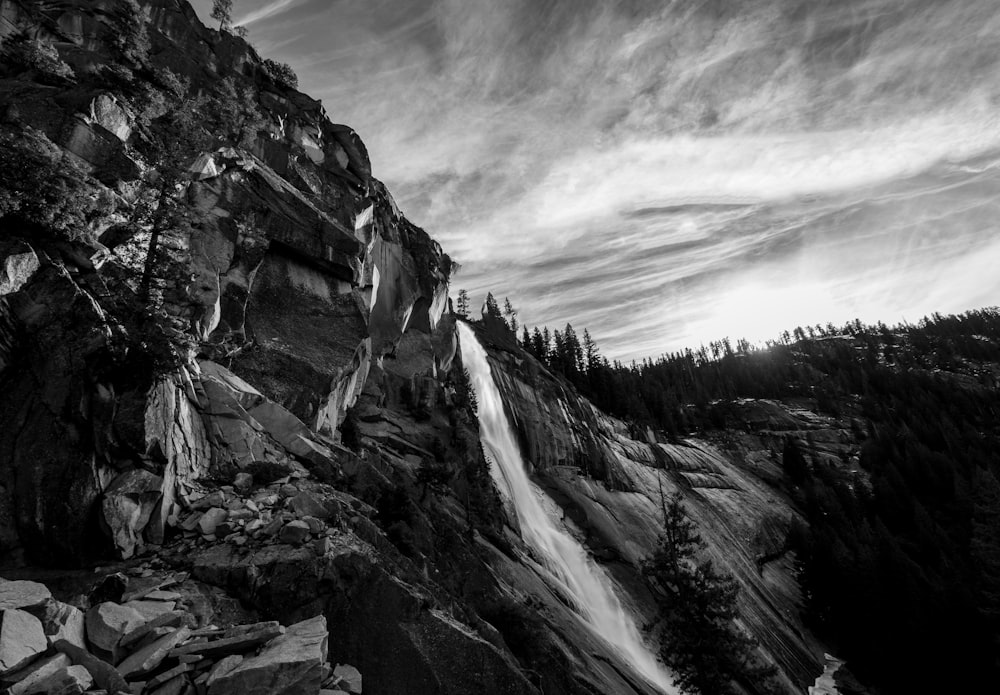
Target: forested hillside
(900,555)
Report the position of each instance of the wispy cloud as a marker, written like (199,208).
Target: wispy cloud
(269,10)
(571,154)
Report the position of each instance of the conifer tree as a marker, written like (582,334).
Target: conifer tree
(538,345)
(699,641)
(462,308)
(222,10)
(573,352)
(510,314)
(590,352)
(492,308)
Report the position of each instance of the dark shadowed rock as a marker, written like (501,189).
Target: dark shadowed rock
(110,588)
(104,674)
(128,505)
(349,679)
(62,621)
(294,532)
(171,680)
(64,680)
(25,680)
(309,504)
(64,335)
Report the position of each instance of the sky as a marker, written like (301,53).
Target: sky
(667,173)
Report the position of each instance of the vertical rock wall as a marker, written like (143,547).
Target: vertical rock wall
(292,266)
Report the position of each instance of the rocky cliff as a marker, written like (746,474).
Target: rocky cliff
(182,334)
(226,353)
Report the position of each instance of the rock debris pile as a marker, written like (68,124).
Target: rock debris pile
(155,638)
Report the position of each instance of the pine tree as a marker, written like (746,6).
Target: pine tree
(510,314)
(222,10)
(178,135)
(538,346)
(590,353)
(574,353)
(492,308)
(462,309)
(699,641)
(557,356)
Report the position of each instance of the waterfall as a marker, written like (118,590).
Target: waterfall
(579,577)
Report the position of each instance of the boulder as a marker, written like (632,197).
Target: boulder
(171,680)
(160,595)
(21,639)
(108,112)
(152,655)
(128,506)
(289,665)
(66,680)
(216,498)
(62,621)
(315,525)
(18,265)
(294,532)
(104,674)
(322,546)
(23,594)
(211,519)
(243,481)
(223,667)
(110,588)
(171,619)
(307,503)
(151,610)
(349,678)
(23,681)
(234,641)
(108,622)
(237,439)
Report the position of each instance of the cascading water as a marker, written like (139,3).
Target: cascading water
(579,577)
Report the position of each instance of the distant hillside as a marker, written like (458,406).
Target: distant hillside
(899,544)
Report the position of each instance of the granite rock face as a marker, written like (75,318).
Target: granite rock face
(293,264)
(609,478)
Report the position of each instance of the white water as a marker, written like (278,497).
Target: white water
(580,578)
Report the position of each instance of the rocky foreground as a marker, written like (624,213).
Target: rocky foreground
(153,632)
